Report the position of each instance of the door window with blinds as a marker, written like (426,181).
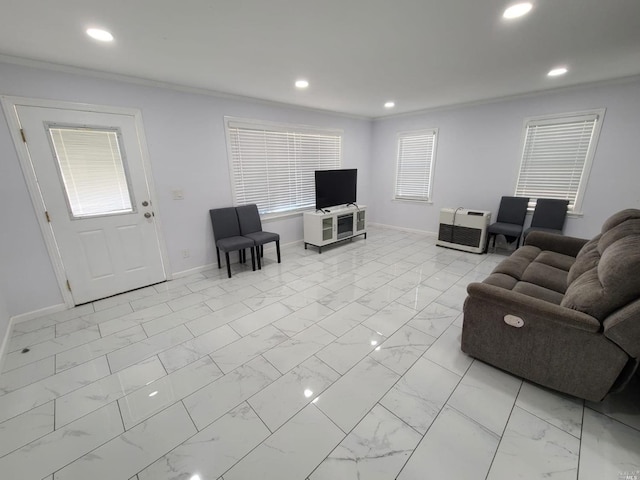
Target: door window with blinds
(92,167)
(416,160)
(557,155)
(273,165)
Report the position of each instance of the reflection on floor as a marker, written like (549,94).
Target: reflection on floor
(342,365)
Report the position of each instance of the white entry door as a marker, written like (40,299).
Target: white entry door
(91,176)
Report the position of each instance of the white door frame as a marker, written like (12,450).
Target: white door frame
(9,104)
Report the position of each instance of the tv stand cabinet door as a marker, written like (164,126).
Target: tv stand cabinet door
(319,229)
(328,229)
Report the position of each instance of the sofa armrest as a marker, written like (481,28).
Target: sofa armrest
(555,347)
(533,309)
(555,243)
(623,328)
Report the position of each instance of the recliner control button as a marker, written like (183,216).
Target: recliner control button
(513,321)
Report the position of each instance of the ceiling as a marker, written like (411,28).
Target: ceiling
(356,54)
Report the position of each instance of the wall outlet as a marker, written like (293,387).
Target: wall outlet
(186,253)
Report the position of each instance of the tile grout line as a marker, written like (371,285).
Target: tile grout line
(434,419)
(547,421)
(503,430)
(584,406)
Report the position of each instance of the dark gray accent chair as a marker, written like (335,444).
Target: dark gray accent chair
(563,312)
(251,227)
(549,216)
(226,230)
(510,221)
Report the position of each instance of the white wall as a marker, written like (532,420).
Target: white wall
(187,146)
(479,151)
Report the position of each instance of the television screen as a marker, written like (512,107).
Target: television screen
(335,187)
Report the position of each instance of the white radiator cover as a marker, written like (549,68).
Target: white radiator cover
(467,233)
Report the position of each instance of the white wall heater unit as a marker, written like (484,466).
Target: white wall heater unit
(463,229)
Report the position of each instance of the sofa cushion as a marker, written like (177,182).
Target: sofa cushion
(501,280)
(517,262)
(558,260)
(630,227)
(546,276)
(620,217)
(611,284)
(587,258)
(536,291)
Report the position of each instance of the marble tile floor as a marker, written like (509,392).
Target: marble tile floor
(340,365)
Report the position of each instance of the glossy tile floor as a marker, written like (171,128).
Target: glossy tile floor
(344,365)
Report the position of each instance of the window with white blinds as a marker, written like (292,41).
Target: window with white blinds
(557,156)
(273,165)
(92,168)
(416,159)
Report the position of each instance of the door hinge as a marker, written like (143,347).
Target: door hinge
(68,285)
(24,137)
(46,214)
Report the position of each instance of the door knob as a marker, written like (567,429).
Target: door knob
(147,215)
(145,204)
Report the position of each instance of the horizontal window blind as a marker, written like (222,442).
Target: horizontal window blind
(274,167)
(92,170)
(555,154)
(416,151)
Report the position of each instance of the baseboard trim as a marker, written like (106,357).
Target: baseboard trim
(402,229)
(23,317)
(192,271)
(5,343)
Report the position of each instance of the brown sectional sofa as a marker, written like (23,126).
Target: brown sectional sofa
(563,312)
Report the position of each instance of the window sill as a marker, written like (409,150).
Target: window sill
(406,200)
(569,214)
(271,217)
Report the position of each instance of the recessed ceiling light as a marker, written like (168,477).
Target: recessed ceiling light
(556,72)
(302,83)
(517,10)
(100,34)
(389,104)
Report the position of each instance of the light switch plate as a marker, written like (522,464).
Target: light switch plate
(178,194)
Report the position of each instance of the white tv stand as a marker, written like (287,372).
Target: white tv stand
(334,225)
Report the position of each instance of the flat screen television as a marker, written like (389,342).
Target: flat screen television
(335,187)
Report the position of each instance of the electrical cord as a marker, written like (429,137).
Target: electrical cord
(453,223)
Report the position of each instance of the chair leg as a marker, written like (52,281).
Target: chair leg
(226,256)
(262,250)
(278,249)
(258,257)
(218,255)
(253,260)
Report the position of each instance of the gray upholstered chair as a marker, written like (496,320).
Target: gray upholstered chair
(549,216)
(251,227)
(510,221)
(226,231)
